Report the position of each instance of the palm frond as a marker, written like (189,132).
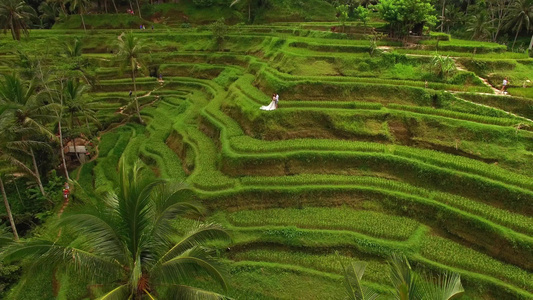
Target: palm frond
(402,277)
(172,200)
(196,236)
(234,2)
(149,295)
(446,286)
(17,163)
(176,193)
(26,145)
(134,205)
(6,239)
(352,280)
(370,294)
(119,293)
(196,260)
(79,261)
(102,234)
(38,127)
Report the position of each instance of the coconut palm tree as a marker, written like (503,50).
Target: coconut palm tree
(81,7)
(127,244)
(480,25)
(443,66)
(76,108)
(15,16)
(21,122)
(74,48)
(259,3)
(76,105)
(520,17)
(130,51)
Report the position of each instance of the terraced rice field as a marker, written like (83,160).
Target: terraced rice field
(360,158)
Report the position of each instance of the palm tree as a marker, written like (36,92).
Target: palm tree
(78,109)
(48,12)
(15,16)
(411,286)
(480,25)
(130,50)
(76,104)
(260,3)
(20,124)
(74,48)
(443,66)
(81,6)
(127,242)
(520,16)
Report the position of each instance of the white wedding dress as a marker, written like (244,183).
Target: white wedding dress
(271,106)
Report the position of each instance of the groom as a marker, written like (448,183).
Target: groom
(276,98)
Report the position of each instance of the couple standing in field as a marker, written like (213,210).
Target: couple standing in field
(273,105)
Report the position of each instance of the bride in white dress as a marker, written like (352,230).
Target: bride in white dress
(271,106)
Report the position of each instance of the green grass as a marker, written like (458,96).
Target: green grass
(454,254)
(368,222)
(376,270)
(464,46)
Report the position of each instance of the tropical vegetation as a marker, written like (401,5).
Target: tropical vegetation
(133,146)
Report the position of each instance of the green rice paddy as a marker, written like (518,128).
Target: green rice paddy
(366,155)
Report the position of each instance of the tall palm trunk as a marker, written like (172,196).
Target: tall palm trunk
(36,171)
(82,20)
(105,6)
(8,211)
(135,92)
(62,147)
(442,16)
(115,5)
(15,32)
(138,8)
(516,35)
(63,8)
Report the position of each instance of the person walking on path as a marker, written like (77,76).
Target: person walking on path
(504,86)
(276,98)
(66,191)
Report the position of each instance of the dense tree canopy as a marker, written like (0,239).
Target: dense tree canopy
(403,15)
(15,16)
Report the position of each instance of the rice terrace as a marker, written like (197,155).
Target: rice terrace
(266,149)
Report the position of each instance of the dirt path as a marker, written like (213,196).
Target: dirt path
(460,67)
(496,91)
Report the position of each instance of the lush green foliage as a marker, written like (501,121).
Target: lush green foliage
(128,239)
(403,15)
(373,149)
